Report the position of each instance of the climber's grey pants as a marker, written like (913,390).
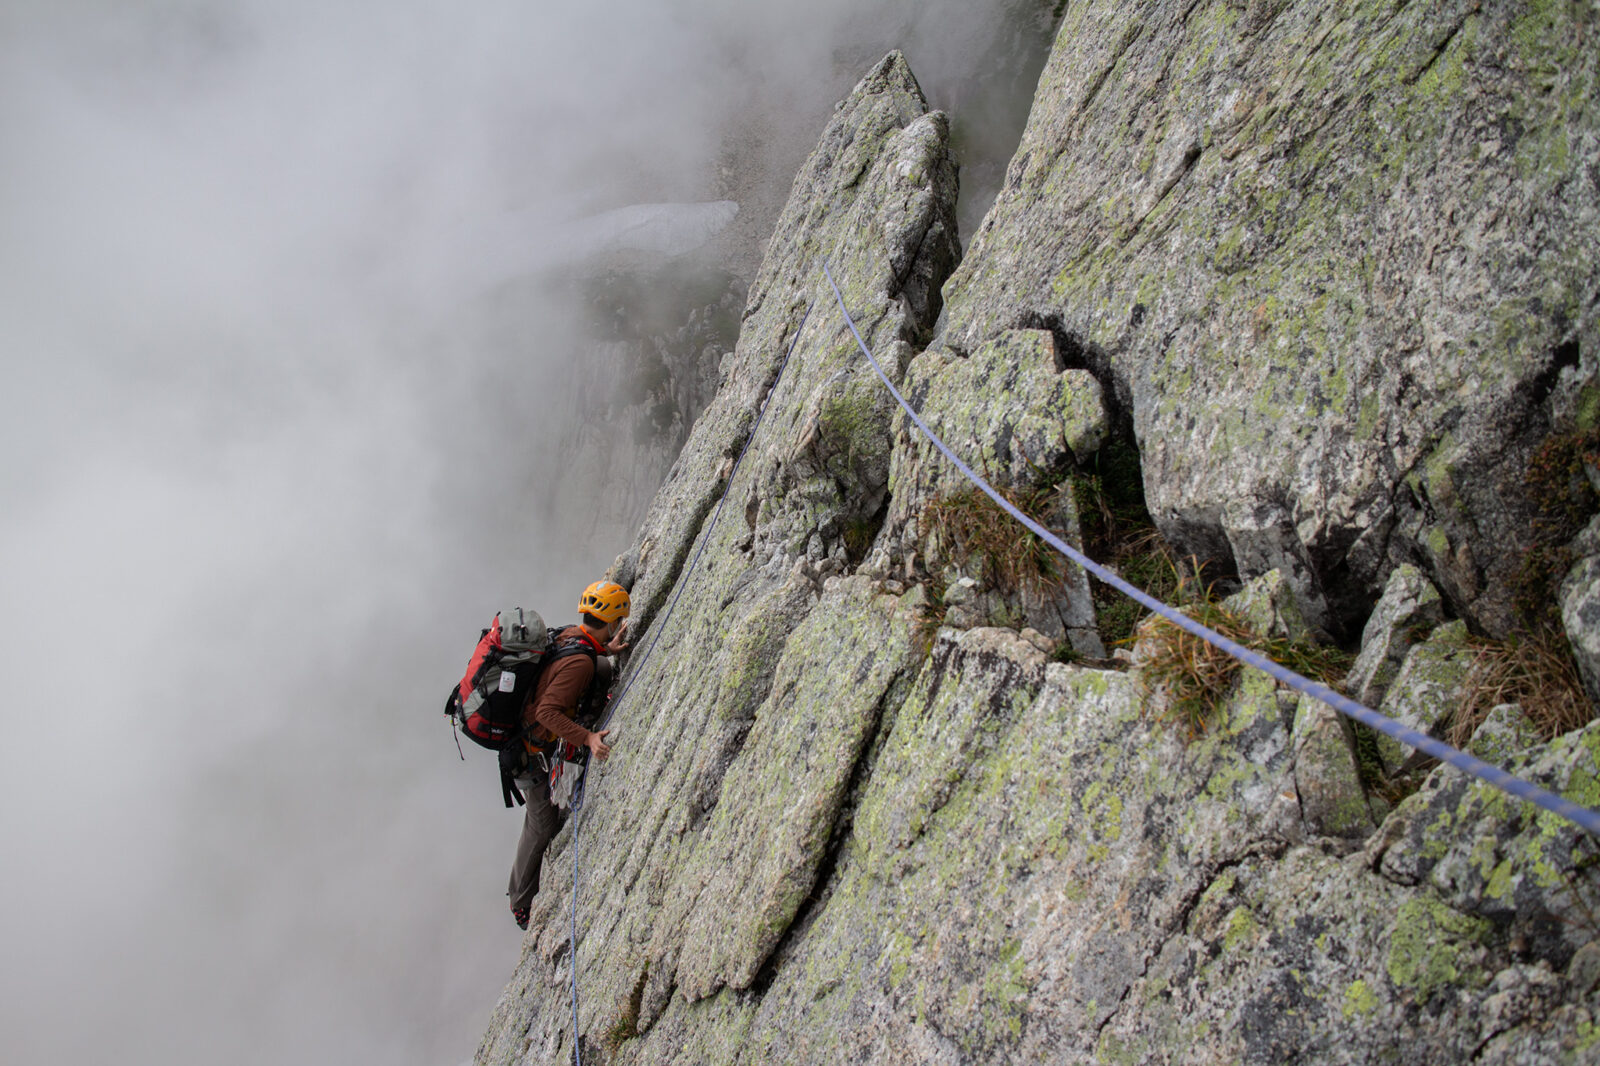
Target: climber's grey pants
(540,820)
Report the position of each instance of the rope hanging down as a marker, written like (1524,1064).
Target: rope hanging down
(572,939)
(1583,817)
(659,627)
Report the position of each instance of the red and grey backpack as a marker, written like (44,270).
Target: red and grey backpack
(504,668)
(487,703)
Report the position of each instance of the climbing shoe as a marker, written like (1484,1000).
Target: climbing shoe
(520,915)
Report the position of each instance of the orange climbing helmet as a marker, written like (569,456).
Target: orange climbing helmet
(606,600)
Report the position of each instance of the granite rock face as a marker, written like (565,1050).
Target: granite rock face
(1506,732)
(861,814)
(1013,413)
(1428,687)
(1580,607)
(1408,611)
(1337,259)
(876,200)
(1327,786)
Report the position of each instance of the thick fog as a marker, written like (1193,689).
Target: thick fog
(277,344)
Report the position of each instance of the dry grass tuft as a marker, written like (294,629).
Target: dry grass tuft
(1146,561)
(1536,671)
(1197,677)
(968,525)
(1119,532)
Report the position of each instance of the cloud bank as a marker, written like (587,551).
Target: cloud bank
(278,433)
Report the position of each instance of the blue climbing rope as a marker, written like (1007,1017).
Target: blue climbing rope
(572,942)
(658,628)
(1583,817)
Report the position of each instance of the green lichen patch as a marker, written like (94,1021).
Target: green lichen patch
(1005,992)
(1242,928)
(1359,1000)
(1435,950)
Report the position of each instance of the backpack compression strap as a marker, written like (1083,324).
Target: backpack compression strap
(509,791)
(508,772)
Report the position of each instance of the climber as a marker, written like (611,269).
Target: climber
(547,718)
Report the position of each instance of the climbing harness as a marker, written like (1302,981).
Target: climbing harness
(644,657)
(1583,817)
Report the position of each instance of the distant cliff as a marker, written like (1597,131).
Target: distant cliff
(1302,296)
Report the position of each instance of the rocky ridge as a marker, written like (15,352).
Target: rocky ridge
(1362,234)
(863,813)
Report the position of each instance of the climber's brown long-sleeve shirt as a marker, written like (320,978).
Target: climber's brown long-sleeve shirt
(549,713)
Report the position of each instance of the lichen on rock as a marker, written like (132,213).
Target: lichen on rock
(1336,261)
(1326,262)
(1407,612)
(1429,686)
(1580,608)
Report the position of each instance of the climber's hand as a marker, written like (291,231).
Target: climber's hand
(617,645)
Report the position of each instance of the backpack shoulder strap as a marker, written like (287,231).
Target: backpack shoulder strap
(579,643)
